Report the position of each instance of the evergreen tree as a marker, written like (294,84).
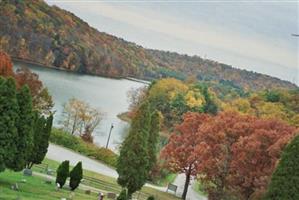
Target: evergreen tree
(8,120)
(122,195)
(210,106)
(133,162)
(42,131)
(24,143)
(151,198)
(153,138)
(62,173)
(76,176)
(285,179)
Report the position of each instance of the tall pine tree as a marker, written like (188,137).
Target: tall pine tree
(210,106)
(133,162)
(285,179)
(24,126)
(153,138)
(8,120)
(42,131)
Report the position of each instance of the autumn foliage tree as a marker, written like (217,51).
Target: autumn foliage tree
(241,153)
(179,154)
(41,99)
(6,69)
(234,154)
(80,118)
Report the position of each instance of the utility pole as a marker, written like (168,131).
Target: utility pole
(109,136)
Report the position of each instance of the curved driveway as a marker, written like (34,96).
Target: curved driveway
(60,154)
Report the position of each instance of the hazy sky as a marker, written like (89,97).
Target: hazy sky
(250,35)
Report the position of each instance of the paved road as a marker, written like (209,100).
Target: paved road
(191,194)
(60,154)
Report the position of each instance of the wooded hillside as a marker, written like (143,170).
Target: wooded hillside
(48,35)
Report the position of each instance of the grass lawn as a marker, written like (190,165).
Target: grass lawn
(34,188)
(168,179)
(110,184)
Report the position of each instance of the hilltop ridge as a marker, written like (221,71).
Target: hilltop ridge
(36,32)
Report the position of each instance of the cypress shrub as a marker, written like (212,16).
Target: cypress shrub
(122,195)
(76,176)
(62,173)
(285,179)
(151,198)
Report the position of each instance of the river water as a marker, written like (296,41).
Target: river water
(108,95)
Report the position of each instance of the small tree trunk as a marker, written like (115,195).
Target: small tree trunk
(129,197)
(30,165)
(74,125)
(188,177)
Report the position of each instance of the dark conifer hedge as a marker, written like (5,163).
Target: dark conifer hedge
(62,173)
(76,176)
(285,179)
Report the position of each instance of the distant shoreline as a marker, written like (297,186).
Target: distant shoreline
(21,60)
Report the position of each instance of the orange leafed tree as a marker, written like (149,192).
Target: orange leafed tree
(179,152)
(41,99)
(241,153)
(233,154)
(5,65)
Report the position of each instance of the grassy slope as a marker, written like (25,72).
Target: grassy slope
(34,188)
(111,182)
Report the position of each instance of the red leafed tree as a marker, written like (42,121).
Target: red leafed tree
(240,154)
(5,65)
(41,99)
(179,153)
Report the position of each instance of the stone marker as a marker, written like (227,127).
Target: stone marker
(15,187)
(111,195)
(27,172)
(49,172)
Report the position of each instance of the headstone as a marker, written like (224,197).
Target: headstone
(49,172)
(172,187)
(87,192)
(27,172)
(15,187)
(111,195)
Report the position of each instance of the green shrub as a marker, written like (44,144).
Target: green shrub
(67,140)
(76,176)
(64,139)
(62,173)
(122,195)
(151,198)
(285,179)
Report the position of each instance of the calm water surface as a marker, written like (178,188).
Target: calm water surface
(109,95)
